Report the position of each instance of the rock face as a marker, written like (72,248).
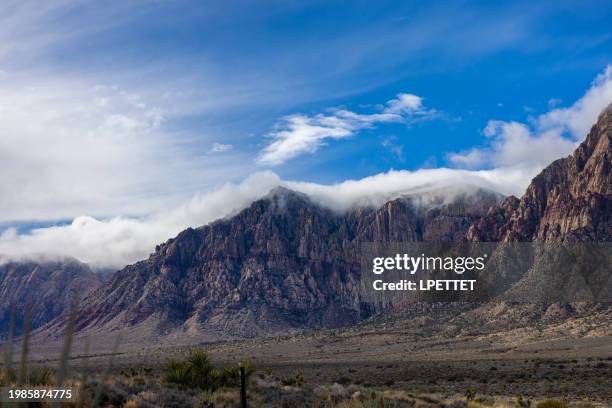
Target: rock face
(284,262)
(567,213)
(49,287)
(571,199)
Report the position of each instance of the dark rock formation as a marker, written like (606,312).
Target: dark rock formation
(567,213)
(49,287)
(284,262)
(570,199)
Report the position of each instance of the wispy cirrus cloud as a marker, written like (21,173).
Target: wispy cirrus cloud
(299,134)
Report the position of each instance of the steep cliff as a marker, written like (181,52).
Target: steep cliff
(570,199)
(284,262)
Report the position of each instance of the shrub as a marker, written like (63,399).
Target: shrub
(343,380)
(178,372)
(198,372)
(551,404)
(522,402)
(470,394)
(201,371)
(484,400)
(8,376)
(40,376)
(295,381)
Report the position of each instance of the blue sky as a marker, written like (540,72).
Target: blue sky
(128,109)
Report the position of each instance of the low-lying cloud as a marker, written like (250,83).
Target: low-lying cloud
(115,242)
(516,152)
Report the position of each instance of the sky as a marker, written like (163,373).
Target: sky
(122,123)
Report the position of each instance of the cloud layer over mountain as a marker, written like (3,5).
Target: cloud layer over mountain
(514,153)
(119,241)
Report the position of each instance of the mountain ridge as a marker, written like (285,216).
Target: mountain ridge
(287,263)
(284,262)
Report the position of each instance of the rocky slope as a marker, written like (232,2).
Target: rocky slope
(570,199)
(567,213)
(284,262)
(48,286)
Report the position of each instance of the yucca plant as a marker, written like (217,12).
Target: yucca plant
(198,372)
(202,372)
(178,372)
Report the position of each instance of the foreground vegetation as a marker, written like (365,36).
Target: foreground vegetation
(194,381)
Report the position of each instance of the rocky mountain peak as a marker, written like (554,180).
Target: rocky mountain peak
(284,262)
(569,199)
(287,263)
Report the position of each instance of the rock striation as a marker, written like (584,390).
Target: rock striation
(282,263)
(570,199)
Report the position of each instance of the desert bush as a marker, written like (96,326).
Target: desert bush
(40,376)
(522,402)
(225,397)
(198,372)
(177,372)
(201,373)
(484,400)
(8,376)
(294,381)
(470,394)
(551,404)
(343,380)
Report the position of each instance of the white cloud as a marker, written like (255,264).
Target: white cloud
(119,241)
(405,103)
(548,137)
(377,189)
(554,102)
(397,150)
(220,148)
(298,134)
(469,159)
(578,118)
(68,147)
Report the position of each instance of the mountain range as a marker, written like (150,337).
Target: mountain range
(286,263)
